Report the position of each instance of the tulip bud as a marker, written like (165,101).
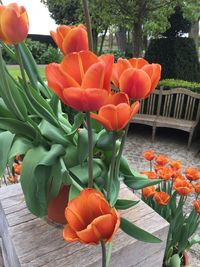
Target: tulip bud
(14,24)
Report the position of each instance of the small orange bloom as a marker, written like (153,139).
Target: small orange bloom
(18,158)
(165,173)
(71,38)
(17,168)
(175,164)
(197,188)
(82,80)
(14,23)
(157,167)
(161,198)
(179,177)
(150,174)
(196,204)
(149,155)
(182,187)
(90,218)
(116,117)
(161,160)
(148,191)
(192,174)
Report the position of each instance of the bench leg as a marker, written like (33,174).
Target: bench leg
(153,133)
(190,138)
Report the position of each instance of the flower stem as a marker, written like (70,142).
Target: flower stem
(88,23)
(19,58)
(112,168)
(90,150)
(103,247)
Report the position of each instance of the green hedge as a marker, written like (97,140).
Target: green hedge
(178,57)
(171,83)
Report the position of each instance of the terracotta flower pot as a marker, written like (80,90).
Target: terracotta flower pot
(56,208)
(185,259)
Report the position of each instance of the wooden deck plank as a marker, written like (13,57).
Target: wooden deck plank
(38,243)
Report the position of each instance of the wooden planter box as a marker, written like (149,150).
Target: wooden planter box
(28,241)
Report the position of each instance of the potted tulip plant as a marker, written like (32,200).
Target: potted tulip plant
(169,199)
(85,155)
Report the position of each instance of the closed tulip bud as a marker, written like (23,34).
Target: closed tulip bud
(196,204)
(14,24)
(71,38)
(90,218)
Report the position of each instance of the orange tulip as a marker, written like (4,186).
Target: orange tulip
(197,188)
(116,117)
(157,167)
(81,80)
(161,198)
(90,218)
(175,164)
(150,174)
(182,187)
(71,38)
(136,77)
(192,174)
(165,173)
(149,191)
(161,160)
(18,158)
(14,23)
(17,168)
(149,155)
(196,204)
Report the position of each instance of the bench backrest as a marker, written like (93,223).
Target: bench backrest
(176,103)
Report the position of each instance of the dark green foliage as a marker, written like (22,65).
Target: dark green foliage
(179,25)
(177,56)
(171,83)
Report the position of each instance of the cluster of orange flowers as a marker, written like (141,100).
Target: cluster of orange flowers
(17,165)
(170,170)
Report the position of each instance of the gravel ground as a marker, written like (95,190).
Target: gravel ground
(170,142)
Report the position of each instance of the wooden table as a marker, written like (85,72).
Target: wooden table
(28,241)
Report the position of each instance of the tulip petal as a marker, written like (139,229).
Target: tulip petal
(116,99)
(85,99)
(154,72)
(12,18)
(69,234)
(138,63)
(118,69)
(94,77)
(75,41)
(106,124)
(58,80)
(135,108)
(135,83)
(108,60)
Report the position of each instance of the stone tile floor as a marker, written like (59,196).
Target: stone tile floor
(170,142)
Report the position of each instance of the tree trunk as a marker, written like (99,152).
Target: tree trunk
(137,39)
(102,41)
(194,33)
(121,38)
(95,40)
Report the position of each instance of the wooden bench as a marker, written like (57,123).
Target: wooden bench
(28,241)
(175,108)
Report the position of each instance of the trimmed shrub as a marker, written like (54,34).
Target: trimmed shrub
(177,56)
(51,55)
(171,83)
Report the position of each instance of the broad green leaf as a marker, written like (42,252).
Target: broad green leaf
(73,192)
(104,140)
(56,180)
(20,146)
(114,191)
(78,120)
(71,156)
(82,145)
(6,139)
(124,166)
(175,261)
(4,110)
(123,204)
(140,182)
(36,174)
(136,232)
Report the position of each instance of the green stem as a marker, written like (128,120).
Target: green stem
(19,58)
(109,252)
(90,150)
(112,166)
(103,247)
(88,23)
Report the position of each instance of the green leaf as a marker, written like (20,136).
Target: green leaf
(56,180)
(82,145)
(78,120)
(114,191)
(123,204)
(124,167)
(194,240)
(4,110)
(136,232)
(175,261)
(71,156)
(139,182)
(35,176)
(20,146)
(73,192)
(6,139)
(104,140)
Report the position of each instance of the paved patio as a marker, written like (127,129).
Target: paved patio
(170,142)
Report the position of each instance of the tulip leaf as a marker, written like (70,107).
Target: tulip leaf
(56,180)
(140,181)
(123,204)
(136,232)
(114,192)
(6,139)
(4,110)
(194,240)
(175,261)
(36,176)
(20,146)
(73,192)
(104,140)
(71,156)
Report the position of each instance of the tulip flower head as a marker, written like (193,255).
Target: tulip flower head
(197,188)
(71,38)
(149,155)
(149,191)
(192,174)
(14,24)
(161,160)
(161,198)
(196,204)
(90,218)
(182,187)
(151,175)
